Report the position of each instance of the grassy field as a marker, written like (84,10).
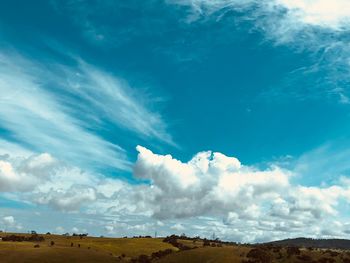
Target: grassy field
(92,249)
(98,249)
(238,254)
(226,254)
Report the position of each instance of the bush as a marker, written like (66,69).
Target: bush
(259,255)
(305,258)
(32,238)
(161,253)
(293,251)
(332,253)
(326,260)
(173,241)
(141,259)
(206,243)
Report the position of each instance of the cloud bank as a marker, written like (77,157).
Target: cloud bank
(214,185)
(210,193)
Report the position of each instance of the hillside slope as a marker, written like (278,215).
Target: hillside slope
(315,243)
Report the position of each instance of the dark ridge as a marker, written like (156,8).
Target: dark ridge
(314,243)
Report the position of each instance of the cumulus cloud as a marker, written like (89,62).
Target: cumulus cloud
(68,199)
(44,180)
(10,223)
(178,227)
(24,174)
(8,220)
(244,197)
(209,183)
(209,193)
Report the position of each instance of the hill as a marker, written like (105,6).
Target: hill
(59,248)
(30,248)
(314,243)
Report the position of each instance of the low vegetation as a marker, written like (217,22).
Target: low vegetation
(51,248)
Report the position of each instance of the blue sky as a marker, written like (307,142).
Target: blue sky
(84,82)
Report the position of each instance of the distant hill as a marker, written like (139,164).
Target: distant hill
(315,243)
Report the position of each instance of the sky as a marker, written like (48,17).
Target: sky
(123,118)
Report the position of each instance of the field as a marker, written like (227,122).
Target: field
(92,249)
(227,254)
(57,248)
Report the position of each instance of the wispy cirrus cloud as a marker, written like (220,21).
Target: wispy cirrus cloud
(34,119)
(61,109)
(318,27)
(322,13)
(104,97)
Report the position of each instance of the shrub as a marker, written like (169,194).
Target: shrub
(32,238)
(206,243)
(332,253)
(161,253)
(305,258)
(141,259)
(259,255)
(293,251)
(173,241)
(326,260)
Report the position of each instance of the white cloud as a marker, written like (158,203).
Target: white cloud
(210,193)
(60,230)
(323,13)
(75,230)
(44,180)
(38,121)
(209,183)
(317,26)
(178,227)
(9,220)
(113,99)
(246,198)
(10,224)
(10,180)
(60,109)
(68,199)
